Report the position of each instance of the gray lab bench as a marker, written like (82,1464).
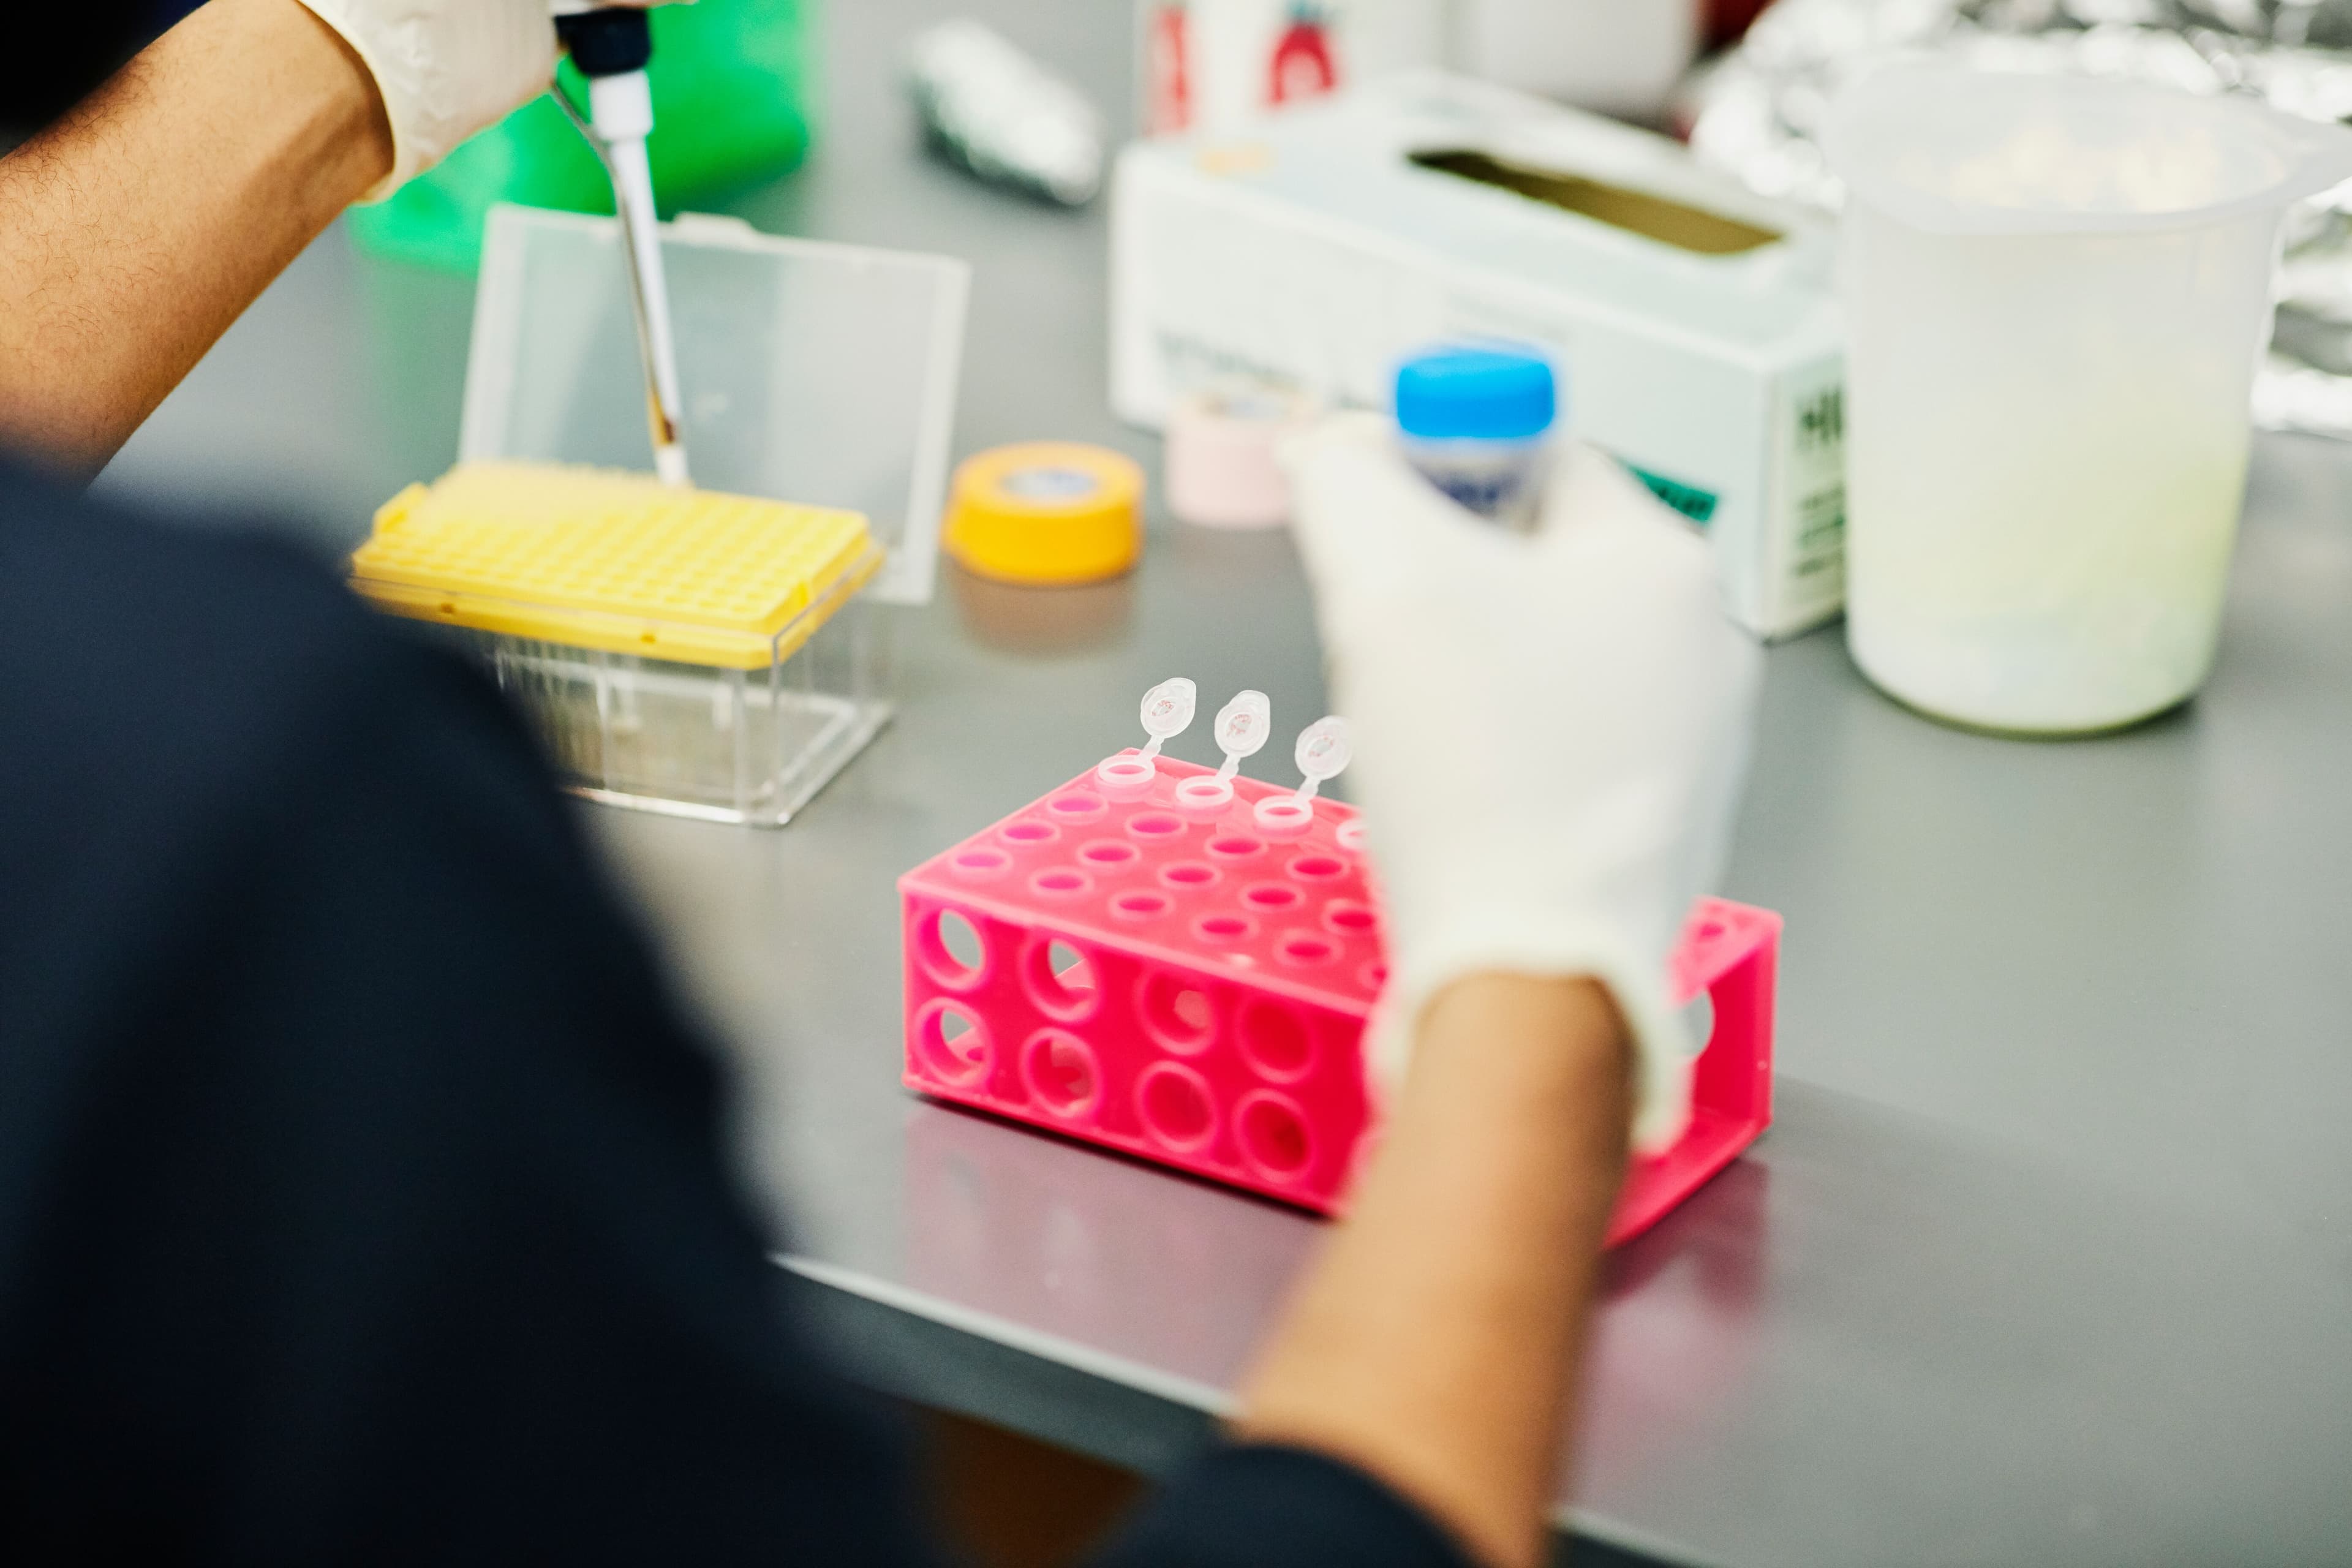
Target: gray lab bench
(2048,1256)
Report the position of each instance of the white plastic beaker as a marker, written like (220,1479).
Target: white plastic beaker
(2057,292)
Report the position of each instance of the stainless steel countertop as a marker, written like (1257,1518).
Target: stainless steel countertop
(2048,1258)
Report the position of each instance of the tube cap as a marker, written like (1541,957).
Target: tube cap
(1457,395)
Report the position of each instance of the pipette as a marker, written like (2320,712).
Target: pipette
(1243,726)
(1323,753)
(1167,711)
(609,45)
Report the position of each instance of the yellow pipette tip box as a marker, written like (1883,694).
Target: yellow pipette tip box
(682,651)
(595,558)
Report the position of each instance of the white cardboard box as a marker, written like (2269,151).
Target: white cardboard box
(1313,250)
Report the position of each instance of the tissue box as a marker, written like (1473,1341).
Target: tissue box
(1694,321)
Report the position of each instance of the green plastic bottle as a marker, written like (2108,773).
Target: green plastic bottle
(734,104)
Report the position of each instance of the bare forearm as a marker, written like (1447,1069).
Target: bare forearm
(1435,1342)
(135,230)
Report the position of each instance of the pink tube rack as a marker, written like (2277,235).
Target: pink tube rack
(1193,993)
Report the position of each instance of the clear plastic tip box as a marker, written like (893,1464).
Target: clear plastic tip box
(727,658)
(1189,988)
(680,649)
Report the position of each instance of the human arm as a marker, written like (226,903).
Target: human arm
(1434,1346)
(1549,735)
(136,228)
(1436,1342)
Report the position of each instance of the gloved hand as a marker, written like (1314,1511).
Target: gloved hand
(445,68)
(1549,732)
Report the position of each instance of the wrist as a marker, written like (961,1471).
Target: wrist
(348,107)
(1617,957)
(1556,1049)
(1574,1013)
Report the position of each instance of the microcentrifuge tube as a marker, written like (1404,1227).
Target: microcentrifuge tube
(1167,710)
(1243,726)
(1323,753)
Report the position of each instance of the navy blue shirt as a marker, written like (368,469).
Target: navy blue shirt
(362,1190)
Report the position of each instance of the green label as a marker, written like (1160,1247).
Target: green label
(1820,420)
(1694,503)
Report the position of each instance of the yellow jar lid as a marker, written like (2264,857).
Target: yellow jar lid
(1047,511)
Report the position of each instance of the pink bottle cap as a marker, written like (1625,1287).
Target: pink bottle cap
(1219,461)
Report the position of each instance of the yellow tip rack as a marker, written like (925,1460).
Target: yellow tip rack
(615,562)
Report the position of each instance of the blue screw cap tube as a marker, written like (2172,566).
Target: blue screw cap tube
(1477,424)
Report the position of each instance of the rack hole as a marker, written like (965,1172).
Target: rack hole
(1223,928)
(1059,883)
(952,1042)
(1174,1104)
(1030,832)
(982,862)
(1375,976)
(1111,855)
(1349,835)
(1699,1018)
(1077,807)
(1273,1134)
(1234,846)
(1269,896)
(954,949)
(1155,825)
(1141,906)
(1304,947)
(1349,917)
(1061,1072)
(1061,979)
(1188,873)
(1319,867)
(1176,1012)
(1274,1039)
(1069,966)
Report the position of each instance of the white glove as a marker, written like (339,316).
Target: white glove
(446,69)
(1549,732)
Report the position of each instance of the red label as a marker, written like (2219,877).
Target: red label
(1302,67)
(1168,103)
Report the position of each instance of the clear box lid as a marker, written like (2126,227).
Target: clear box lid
(812,372)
